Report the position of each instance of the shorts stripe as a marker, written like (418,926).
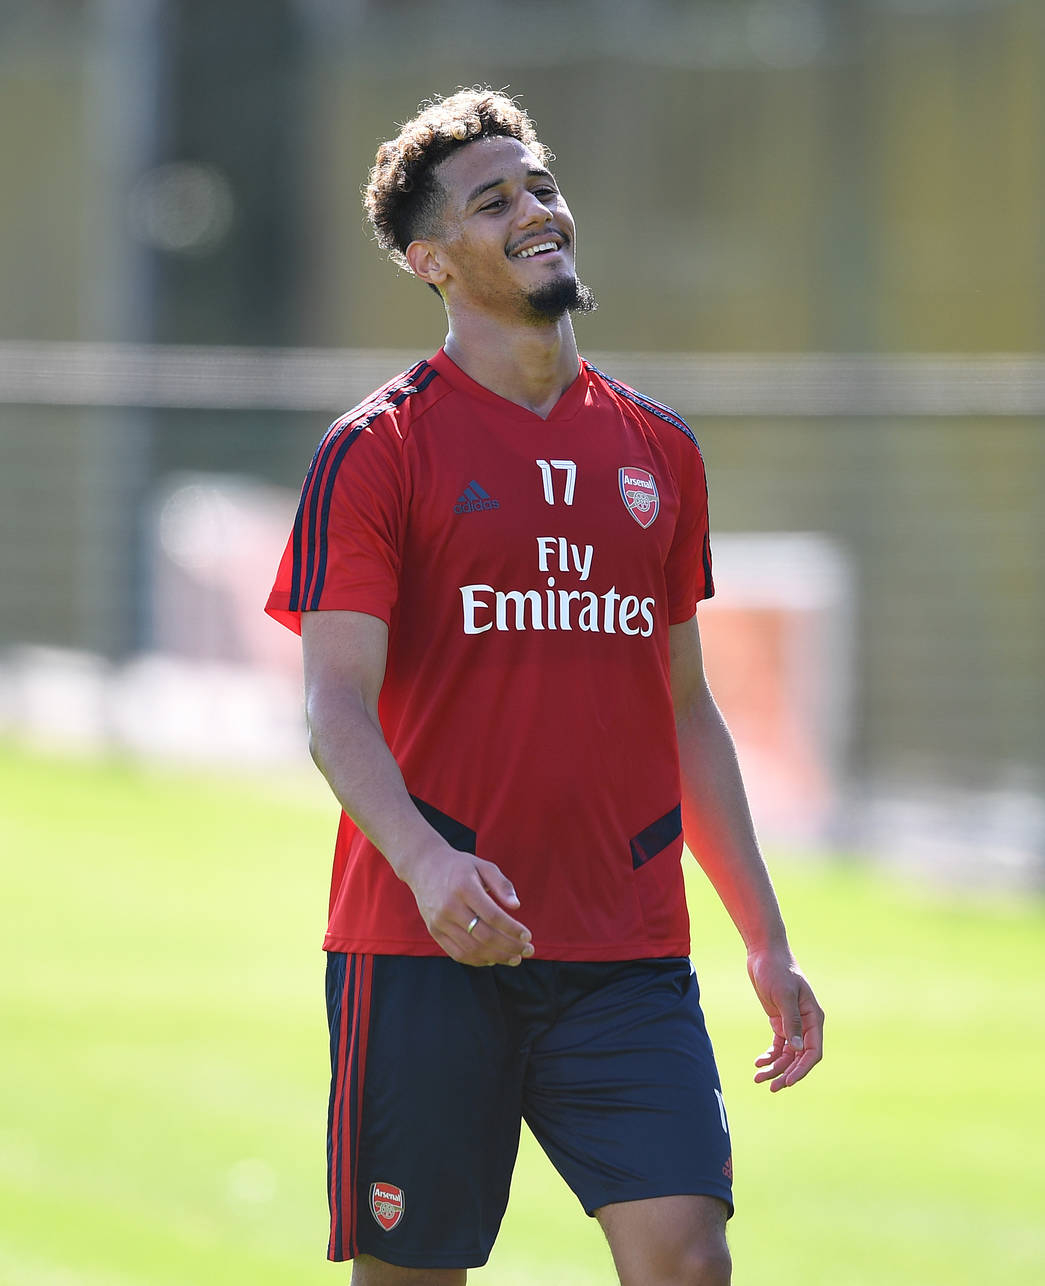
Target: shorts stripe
(348,1075)
(340,1065)
(359,1039)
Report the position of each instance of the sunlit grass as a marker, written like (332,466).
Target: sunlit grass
(163,1076)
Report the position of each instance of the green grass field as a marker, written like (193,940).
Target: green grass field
(163,1079)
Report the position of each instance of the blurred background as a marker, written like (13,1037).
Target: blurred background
(814,227)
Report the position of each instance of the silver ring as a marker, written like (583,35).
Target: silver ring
(471,924)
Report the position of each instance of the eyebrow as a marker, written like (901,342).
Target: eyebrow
(535,173)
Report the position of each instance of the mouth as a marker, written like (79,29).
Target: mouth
(538,249)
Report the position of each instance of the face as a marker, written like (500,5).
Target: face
(506,244)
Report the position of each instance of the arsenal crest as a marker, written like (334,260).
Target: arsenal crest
(638,489)
(386,1204)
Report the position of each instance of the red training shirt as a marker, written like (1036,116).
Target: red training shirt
(528,571)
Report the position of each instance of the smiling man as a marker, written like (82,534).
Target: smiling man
(495,569)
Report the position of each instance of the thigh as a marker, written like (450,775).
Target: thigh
(423,1120)
(372,1272)
(622,1091)
(668,1239)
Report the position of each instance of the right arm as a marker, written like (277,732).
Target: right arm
(344,655)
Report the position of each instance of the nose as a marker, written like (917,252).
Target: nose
(532,211)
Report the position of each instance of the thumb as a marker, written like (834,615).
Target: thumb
(793,1025)
(497,884)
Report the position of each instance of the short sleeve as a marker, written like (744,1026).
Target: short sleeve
(688,566)
(343,553)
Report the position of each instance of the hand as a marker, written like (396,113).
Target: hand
(796,1018)
(451,888)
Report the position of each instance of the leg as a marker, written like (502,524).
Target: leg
(668,1241)
(623,1095)
(423,1118)
(367,1271)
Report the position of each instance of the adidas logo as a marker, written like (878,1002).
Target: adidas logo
(474,499)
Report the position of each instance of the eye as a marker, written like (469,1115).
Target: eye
(495,204)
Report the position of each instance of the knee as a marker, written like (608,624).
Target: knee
(709,1268)
(669,1241)
(699,1266)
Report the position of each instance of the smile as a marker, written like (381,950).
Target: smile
(542,247)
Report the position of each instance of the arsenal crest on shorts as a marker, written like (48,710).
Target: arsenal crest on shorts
(386,1204)
(638,489)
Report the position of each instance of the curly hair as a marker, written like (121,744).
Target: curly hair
(403,198)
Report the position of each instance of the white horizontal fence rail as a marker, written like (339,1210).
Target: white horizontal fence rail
(699,384)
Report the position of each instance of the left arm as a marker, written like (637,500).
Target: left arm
(720,834)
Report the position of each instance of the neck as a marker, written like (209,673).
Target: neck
(529,365)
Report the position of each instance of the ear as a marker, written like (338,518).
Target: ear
(427,262)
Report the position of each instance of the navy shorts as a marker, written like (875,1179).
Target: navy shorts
(434,1064)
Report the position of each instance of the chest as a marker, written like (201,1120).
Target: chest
(575,504)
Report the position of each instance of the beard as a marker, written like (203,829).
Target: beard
(554,299)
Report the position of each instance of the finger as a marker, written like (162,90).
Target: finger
(457,946)
(800,1069)
(497,884)
(778,1057)
(466,949)
(791,1017)
(772,1053)
(777,1068)
(813,1050)
(804,1062)
(498,925)
(493,916)
(478,957)
(483,945)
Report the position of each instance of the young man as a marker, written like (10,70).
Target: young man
(495,569)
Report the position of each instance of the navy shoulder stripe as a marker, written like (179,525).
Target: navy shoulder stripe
(658,409)
(309,565)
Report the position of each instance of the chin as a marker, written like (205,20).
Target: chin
(561,295)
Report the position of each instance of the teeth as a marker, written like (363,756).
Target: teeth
(534,250)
